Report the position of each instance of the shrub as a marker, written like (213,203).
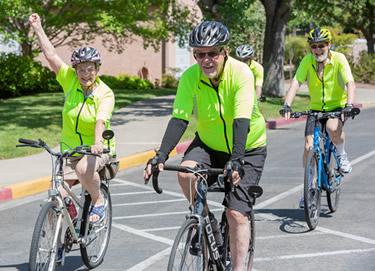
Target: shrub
(364,71)
(169,81)
(21,75)
(126,82)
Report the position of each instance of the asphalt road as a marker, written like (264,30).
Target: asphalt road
(145,223)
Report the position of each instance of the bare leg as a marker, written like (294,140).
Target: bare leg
(308,144)
(184,180)
(239,233)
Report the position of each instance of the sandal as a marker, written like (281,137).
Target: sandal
(99,211)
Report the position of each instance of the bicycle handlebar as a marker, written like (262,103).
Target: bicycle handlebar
(325,115)
(208,171)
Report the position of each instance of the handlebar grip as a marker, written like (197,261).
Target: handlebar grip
(106,151)
(27,141)
(155,183)
(355,111)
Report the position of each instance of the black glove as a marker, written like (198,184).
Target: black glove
(235,165)
(286,109)
(159,158)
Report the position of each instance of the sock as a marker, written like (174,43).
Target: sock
(340,149)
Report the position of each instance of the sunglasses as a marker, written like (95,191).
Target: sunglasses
(211,54)
(320,46)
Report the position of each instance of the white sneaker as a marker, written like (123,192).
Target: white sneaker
(345,165)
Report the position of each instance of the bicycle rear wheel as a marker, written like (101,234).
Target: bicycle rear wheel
(183,256)
(97,236)
(333,196)
(312,193)
(43,248)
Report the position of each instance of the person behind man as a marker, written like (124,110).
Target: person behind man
(230,128)
(245,53)
(331,88)
(86,114)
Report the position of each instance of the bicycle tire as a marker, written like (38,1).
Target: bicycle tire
(311,191)
(44,230)
(184,259)
(333,198)
(94,259)
(249,259)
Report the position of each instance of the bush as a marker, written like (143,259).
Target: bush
(126,82)
(169,81)
(21,75)
(364,71)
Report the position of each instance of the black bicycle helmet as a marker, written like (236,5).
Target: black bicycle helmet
(209,34)
(318,35)
(85,54)
(244,51)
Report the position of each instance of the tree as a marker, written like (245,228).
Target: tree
(342,12)
(74,22)
(277,16)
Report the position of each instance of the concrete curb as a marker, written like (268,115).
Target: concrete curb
(28,188)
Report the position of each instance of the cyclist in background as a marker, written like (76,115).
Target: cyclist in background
(331,88)
(87,111)
(230,129)
(245,53)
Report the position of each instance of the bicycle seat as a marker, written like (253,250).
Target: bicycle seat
(255,191)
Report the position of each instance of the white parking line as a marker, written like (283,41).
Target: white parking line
(132,193)
(311,255)
(158,214)
(147,202)
(150,261)
(162,229)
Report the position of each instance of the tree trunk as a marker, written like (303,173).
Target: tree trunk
(26,49)
(277,15)
(369,32)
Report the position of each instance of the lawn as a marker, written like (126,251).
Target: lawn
(39,116)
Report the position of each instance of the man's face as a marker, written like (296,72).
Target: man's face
(86,73)
(320,50)
(210,60)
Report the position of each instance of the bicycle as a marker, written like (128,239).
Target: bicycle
(199,232)
(55,217)
(322,170)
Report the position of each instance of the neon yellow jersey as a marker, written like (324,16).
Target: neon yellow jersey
(80,113)
(218,107)
(257,70)
(329,93)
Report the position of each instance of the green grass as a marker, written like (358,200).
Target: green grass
(39,116)
(270,110)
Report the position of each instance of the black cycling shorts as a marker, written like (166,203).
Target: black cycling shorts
(310,123)
(253,168)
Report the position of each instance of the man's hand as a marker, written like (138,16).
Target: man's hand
(35,22)
(285,111)
(346,111)
(234,170)
(97,148)
(156,162)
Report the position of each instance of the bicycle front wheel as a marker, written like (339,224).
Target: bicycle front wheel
(312,193)
(43,248)
(96,236)
(333,196)
(184,254)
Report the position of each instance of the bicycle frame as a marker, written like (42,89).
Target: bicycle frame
(322,152)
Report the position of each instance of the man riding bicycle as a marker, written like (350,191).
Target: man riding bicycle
(331,88)
(230,129)
(87,111)
(245,53)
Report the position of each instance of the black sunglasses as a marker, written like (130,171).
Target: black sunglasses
(320,46)
(211,54)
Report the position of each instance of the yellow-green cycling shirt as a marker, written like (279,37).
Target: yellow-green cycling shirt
(218,107)
(329,93)
(80,113)
(257,70)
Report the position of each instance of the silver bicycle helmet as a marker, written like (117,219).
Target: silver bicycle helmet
(85,54)
(244,51)
(209,34)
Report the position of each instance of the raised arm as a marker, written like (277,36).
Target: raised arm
(47,48)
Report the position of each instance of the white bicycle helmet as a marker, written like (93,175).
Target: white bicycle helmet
(244,51)
(209,34)
(85,54)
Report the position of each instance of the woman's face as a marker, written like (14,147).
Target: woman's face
(86,73)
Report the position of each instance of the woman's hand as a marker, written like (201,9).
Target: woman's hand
(97,148)
(35,22)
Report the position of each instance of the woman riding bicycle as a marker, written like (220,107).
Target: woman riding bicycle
(87,111)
